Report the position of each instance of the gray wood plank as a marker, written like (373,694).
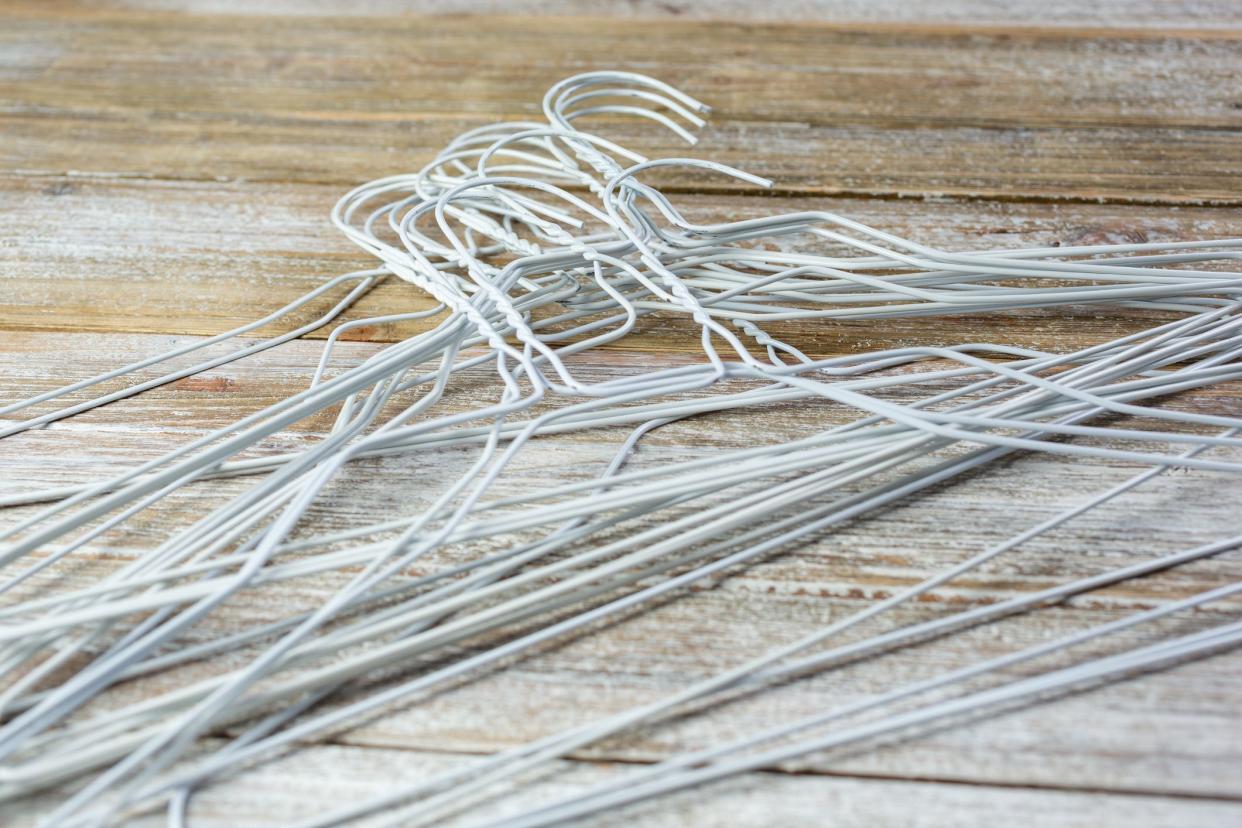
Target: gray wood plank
(1046,114)
(1176,733)
(89,254)
(1108,13)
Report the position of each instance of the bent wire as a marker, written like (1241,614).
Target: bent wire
(538,241)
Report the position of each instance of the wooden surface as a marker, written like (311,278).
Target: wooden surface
(166,168)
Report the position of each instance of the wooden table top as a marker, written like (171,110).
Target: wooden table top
(166,171)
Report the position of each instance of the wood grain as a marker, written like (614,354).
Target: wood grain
(1162,14)
(301,786)
(1038,114)
(178,257)
(166,171)
(1187,744)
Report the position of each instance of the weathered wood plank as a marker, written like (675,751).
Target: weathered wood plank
(318,779)
(1040,114)
(770,73)
(202,257)
(1184,14)
(1187,743)
(913,101)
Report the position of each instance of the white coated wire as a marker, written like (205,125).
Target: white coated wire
(538,241)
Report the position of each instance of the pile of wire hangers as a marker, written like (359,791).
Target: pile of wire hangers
(539,241)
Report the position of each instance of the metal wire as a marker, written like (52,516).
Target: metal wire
(538,241)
